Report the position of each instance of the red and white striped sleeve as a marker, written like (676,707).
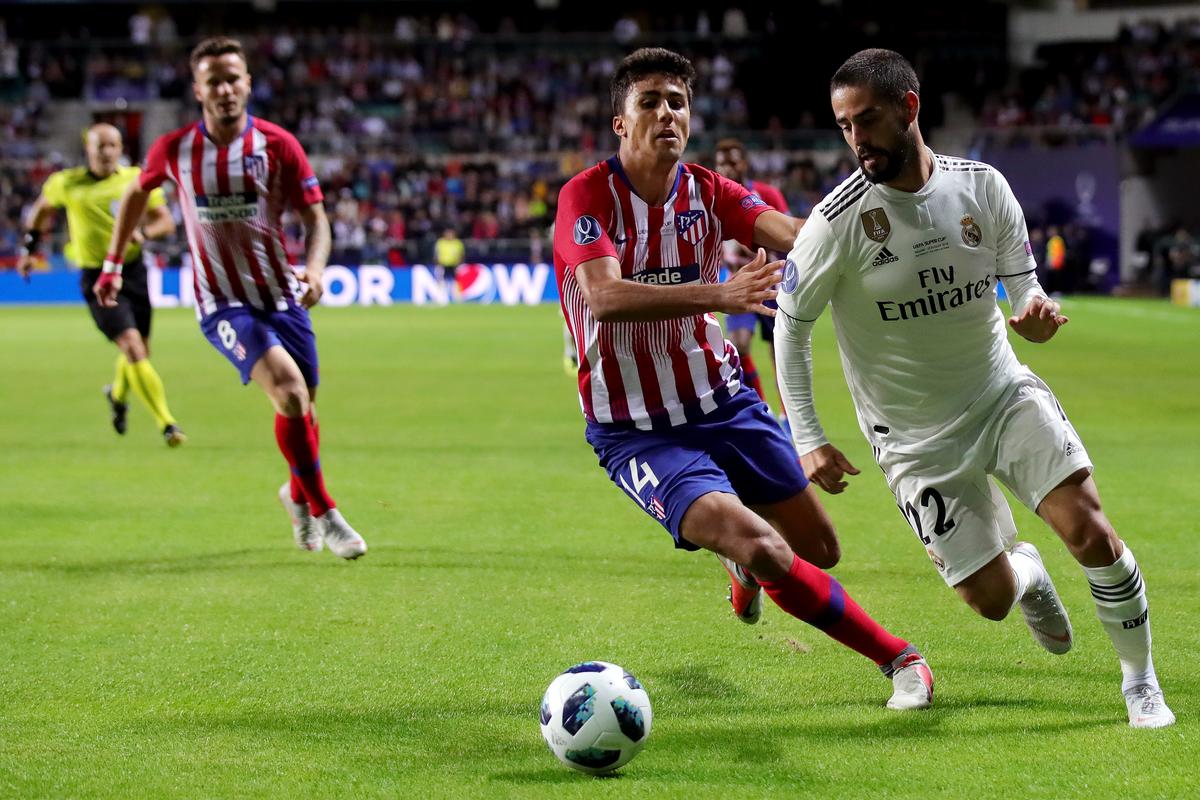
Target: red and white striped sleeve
(581,224)
(737,207)
(299,182)
(155,170)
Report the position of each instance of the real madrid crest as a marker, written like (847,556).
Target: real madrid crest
(971,235)
(876,225)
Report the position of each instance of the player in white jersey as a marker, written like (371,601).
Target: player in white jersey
(908,252)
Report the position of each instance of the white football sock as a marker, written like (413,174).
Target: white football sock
(1120,596)
(1026,572)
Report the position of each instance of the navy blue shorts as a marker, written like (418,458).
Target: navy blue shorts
(741,322)
(751,320)
(737,449)
(243,335)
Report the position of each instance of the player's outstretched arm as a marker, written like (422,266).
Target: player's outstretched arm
(133,206)
(1039,320)
(39,221)
(777,231)
(612,299)
(317,240)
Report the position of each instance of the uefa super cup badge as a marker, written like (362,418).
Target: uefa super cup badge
(971,235)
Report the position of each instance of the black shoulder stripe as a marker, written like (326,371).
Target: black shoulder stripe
(833,214)
(1015,274)
(794,319)
(837,198)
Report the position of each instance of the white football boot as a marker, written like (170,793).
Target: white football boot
(342,540)
(745,595)
(912,684)
(305,529)
(1043,610)
(1147,708)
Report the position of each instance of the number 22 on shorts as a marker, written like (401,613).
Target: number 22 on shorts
(942,524)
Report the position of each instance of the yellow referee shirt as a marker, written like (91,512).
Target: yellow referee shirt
(92,205)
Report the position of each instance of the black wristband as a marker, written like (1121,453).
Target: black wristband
(33,238)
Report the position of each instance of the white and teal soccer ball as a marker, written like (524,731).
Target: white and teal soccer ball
(595,717)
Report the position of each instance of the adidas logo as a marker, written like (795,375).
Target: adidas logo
(1071,448)
(885,257)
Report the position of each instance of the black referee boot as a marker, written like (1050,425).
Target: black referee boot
(119,410)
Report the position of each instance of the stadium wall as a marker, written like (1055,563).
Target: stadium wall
(362,285)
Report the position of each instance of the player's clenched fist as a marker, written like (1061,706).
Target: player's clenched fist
(751,286)
(107,287)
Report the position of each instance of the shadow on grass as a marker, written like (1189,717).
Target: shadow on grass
(256,558)
(551,775)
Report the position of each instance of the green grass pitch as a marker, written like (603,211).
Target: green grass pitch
(160,636)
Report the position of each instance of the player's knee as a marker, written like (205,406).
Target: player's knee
(132,346)
(988,595)
(292,398)
(826,551)
(764,553)
(1092,540)
(993,608)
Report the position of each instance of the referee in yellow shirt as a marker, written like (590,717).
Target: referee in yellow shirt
(91,194)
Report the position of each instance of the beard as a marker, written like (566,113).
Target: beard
(896,159)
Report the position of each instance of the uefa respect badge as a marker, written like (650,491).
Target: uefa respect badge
(791,277)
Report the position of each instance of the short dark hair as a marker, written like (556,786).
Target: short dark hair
(217,46)
(730,144)
(645,62)
(885,72)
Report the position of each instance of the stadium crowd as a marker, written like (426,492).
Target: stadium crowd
(1119,83)
(414,128)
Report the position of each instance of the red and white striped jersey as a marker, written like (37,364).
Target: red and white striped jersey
(651,374)
(232,199)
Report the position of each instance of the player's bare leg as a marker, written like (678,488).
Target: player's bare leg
(295,432)
(802,522)
(1019,578)
(719,522)
(805,525)
(1073,510)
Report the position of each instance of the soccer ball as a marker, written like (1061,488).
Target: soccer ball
(595,717)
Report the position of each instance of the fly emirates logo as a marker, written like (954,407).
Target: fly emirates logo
(941,295)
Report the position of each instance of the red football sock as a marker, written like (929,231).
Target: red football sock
(298,442)
(750,373)
(296,487)
(815,597)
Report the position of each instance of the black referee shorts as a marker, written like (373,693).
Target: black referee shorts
(133,301)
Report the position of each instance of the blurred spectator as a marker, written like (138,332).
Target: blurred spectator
(1183,255)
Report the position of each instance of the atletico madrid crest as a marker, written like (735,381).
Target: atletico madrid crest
(692,226)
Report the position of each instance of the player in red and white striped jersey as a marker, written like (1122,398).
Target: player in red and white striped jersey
(637,252)
(729,159)
(235,175)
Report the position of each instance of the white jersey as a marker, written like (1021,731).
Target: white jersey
(911,278)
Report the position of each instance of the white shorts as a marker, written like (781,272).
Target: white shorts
(958,513)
